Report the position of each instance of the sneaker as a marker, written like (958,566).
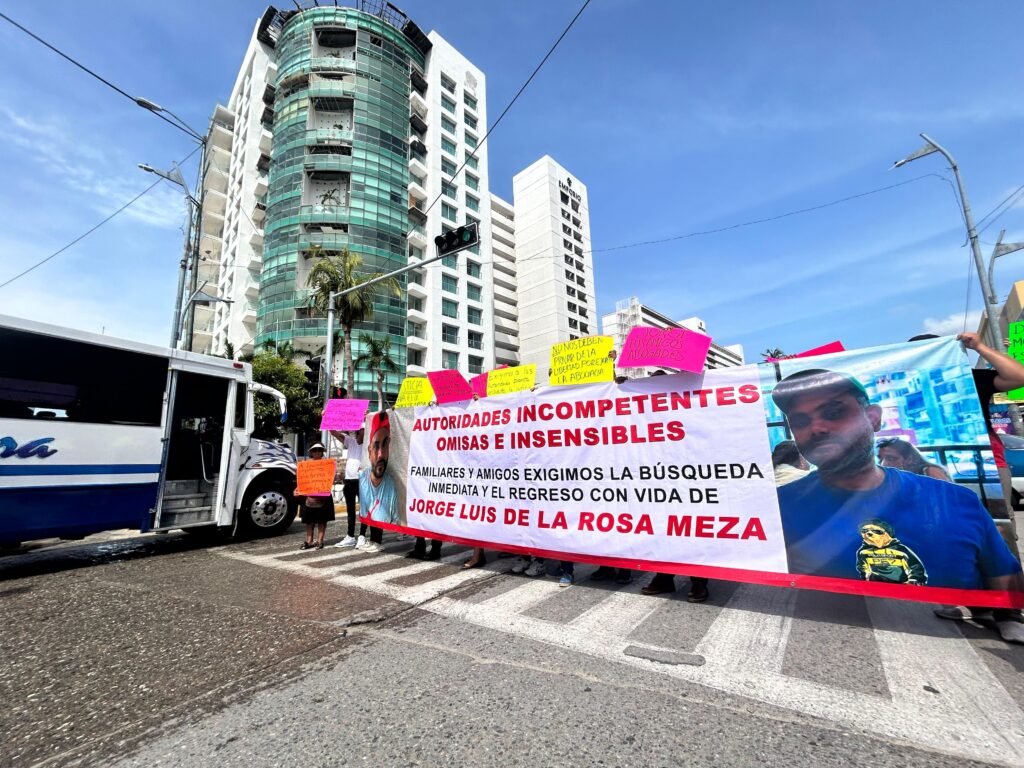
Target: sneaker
(537,568)
(1011,631)
(520,565)
(360,542)
(565,580)
(371,546)
(951,612)
(347,543)
(603,573)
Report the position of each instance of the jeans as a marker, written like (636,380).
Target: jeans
(351,492)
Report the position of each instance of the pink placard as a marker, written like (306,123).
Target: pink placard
(824,349)
(479,384)
(449,386)
(344,415)
(678,348)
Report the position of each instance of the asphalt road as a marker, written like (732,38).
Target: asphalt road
(160,650)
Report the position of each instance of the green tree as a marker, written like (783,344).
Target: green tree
(332,273)
(229,350)
(289,379)
(376,356)
(773,353)
(286,350)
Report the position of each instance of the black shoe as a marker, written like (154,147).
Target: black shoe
(698,593)
(433,554)
(624,576)
(659,586)
(306,545)
(416,554)
(603,573)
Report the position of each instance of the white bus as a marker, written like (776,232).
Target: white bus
(99,434)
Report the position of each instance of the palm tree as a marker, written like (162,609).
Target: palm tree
(773,353)
(341,272)
(229,350)
(286,350)
(376,356)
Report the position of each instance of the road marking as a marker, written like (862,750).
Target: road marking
(971,716)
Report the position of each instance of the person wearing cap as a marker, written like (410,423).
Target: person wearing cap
(377,496)
(833,424)
(316,511)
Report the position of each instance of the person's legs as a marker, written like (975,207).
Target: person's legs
(536,567)
(566,573)
(623,576)
(477,559)
(321,531)
(435,550)
(698,590)
(660,584)
(376,535)
(309,536)
(419,549)
(351,492)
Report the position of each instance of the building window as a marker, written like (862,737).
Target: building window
(476,340)
(448,167)
(447,83)
(572,307)
(472,162)
(565,214)
(450,284)
(581,282)
(416,253)
(472,203)
(470,101)
(564,198)
(415,304)
(470,120)
(448,124)
(570,275)
(584,329)
(414,357)
(471,140)
(583,311)
(567,244)
(449,308)
(474,315)
(414,329)
(449,212)
(449,190)
(570,290)
(449,334)
(476,364)
(448,146)
(452,262)
(566,230)
(472,292)
(568,260)
(447,103)
(472,181)
(579,265)
(472,269)
(450,360)
(573,323)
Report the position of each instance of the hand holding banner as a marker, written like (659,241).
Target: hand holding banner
(449,386)
(503,381)
(314,477)
(343,415)
(678,348)
(414,391)
(582,361)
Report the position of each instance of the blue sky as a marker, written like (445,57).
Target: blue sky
(679,116)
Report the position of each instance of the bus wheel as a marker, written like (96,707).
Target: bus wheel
(267,510)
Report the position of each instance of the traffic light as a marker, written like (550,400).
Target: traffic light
(455,240)
(313,388)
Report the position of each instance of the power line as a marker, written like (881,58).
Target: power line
(515,98)
(144,103)
(88,232)
(1008,201)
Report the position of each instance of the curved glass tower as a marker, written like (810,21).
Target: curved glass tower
(339,172)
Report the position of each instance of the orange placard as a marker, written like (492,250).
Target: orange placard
(314,477)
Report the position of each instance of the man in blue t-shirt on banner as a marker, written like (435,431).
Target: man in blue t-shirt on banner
(852,519)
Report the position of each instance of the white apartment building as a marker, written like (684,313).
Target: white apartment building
(630,313)
(234,191)
(553,263)
(451,302)
(503,271)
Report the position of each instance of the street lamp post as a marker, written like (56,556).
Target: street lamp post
(1000,249)
(991,302)
(174,176)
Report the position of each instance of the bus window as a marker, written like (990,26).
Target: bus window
(241,395)
(43,377)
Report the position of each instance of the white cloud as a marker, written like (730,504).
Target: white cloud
(953,323)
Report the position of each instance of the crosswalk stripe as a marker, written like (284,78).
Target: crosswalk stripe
(619,613)
(751,632)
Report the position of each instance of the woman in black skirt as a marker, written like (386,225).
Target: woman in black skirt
(316,511)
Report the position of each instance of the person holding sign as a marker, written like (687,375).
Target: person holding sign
(316,511)
(353,442)
(954,540)
(377,497)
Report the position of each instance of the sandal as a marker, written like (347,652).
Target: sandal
(306,545)
(474,564)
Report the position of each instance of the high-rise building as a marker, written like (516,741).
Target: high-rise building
(630,313)
(503,272)
(554,266)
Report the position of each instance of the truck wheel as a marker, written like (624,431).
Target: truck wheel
(267,509)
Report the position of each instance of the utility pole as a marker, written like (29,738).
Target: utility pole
(194,256)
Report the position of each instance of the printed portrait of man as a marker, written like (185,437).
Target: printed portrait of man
(949,534)
(377,497)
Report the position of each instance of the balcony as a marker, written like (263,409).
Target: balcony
(210,244)
(505,341)
(269,92)
(221,136)
(417,147)
(252,290)
(211,223)
(261,186)
(418,123)
(249,312)
(266,140)
(504,294)
(209,269)
(506,325)
(259,213)
(256,239)
(330,217)
(418,105)
(418,167)
(417,213)
(263,164)
(224,116)
(419,83)
(219,158)
(418,237)
(328,136)
(416,342)
(215,201)
(416,315)
(415,370)
(215,178)
(332,64)
(416,189)
(254,261)
(416,290)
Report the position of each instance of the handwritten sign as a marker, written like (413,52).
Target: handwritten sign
(582,361)
(414,391)
(479,384)
(502,381)
(449,386)
(678,348)
(344,415)
(824,349)
(1016,351)
(314,477)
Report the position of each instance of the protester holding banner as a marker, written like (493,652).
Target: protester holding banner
(823,514)
(316,511)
